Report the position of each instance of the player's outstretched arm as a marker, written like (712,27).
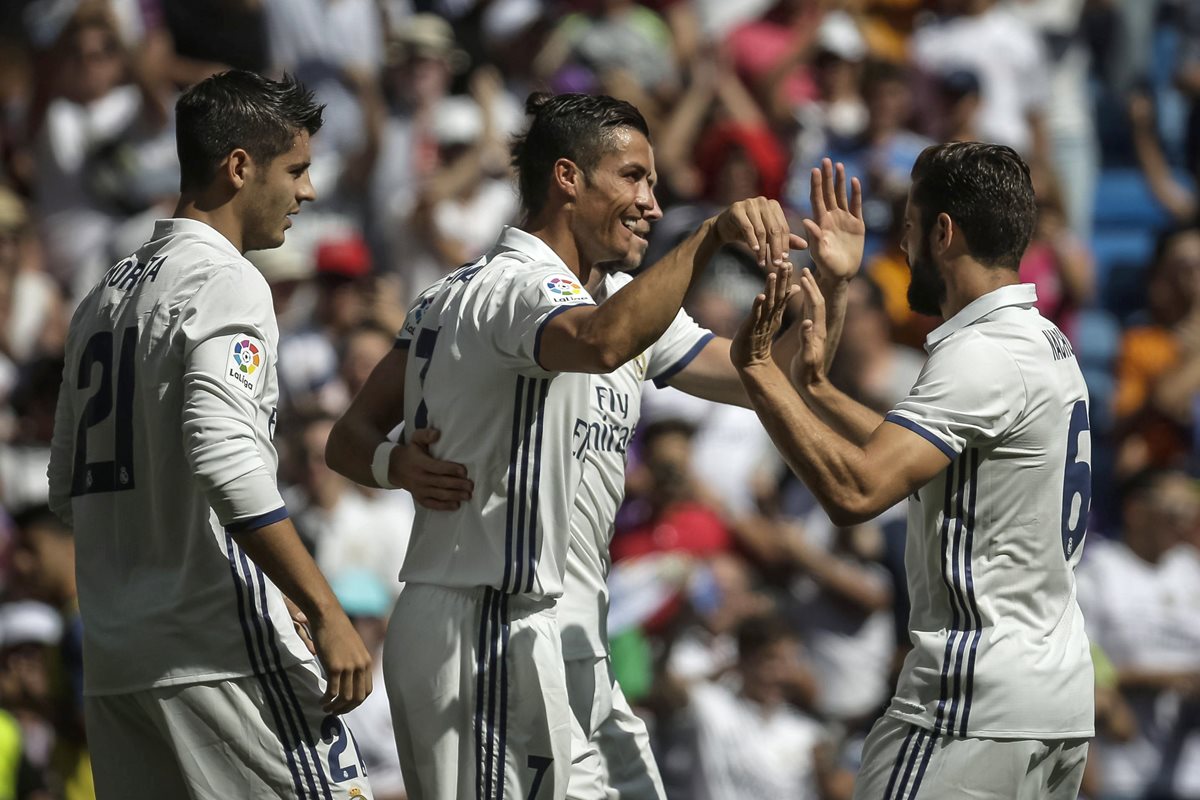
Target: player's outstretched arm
(376,411)
(602,338)
(853,483)
(282,556)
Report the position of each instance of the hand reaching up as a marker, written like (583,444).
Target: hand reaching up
(836,232)
(751,346)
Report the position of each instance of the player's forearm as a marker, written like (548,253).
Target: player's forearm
(839,411)
(351,447)
(278,551)
(834,469)
(634,318)
(836,292)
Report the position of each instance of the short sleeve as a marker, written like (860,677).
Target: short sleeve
(969,392)
(228,335)
(521,306)
(676,348)
(416,311)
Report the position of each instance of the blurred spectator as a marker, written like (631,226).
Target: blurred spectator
(840,114)
(751,744)
(1157,370)
(601,37)
(1139,597)
(367,601)
(347,526)
(1069,117)
(25,455)
(676,516)
(869,366)
(43,561)
(103,151)
(985,37)
(771,55)
(32,315)
(1176,197)
(308,359)
(1056,262)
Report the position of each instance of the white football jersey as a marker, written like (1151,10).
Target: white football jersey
(614,408)
(520,431)
(162,447)
(999,648)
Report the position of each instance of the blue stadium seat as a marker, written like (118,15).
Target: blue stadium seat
(1123,200)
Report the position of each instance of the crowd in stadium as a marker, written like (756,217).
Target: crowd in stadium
(758,639)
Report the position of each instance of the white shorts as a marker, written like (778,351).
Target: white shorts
(260,737)
(610,750)
(479,701)
(904,762)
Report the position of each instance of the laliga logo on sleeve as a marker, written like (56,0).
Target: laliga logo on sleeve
(246,358)
(562,289)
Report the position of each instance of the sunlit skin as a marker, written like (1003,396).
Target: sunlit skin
(616,194)
(274,193)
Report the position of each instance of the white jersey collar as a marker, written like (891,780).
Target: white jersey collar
(525,242)
(176,225)
(1017,294)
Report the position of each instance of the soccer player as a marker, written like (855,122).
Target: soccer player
(992,449)
(196,683)
(612,755)
(496,358)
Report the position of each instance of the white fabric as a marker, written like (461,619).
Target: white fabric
(1143,616)
(376,737)
(1008,58)
(244,737)
(614,411)
(519,430)
(184,333)
(478,695)
(904,762)
(611,757)
(999,647)
(850,650)
(749,753)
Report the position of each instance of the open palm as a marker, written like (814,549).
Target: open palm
(836,231)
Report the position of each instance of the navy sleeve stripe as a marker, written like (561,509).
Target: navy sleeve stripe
(260,521)
(537,339)
(663,377)
(903,422)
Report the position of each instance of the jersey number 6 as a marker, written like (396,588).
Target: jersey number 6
(1077,482)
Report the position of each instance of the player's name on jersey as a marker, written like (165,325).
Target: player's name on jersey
(129,272)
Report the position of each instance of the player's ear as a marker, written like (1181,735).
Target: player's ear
(237,167)
(567,178)
(944,234)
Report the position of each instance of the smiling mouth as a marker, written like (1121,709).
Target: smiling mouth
(639,231)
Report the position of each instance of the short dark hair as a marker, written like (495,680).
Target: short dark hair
(579,127)
(756,633)
(239,109)
(986,190)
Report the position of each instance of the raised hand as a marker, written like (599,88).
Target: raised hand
(761,225)
(752,344)
(434,484)
(808,365)
(836,232)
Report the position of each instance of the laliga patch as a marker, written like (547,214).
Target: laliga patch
(246,364)
(560,289)
(417,314)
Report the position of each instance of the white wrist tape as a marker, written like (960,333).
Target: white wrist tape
(380,463)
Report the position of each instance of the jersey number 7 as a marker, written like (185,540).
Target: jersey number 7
(115,475)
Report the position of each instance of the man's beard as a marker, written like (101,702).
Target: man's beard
(926,287)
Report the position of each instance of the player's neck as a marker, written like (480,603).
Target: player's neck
(555,231)
(220,217)
(967,280)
